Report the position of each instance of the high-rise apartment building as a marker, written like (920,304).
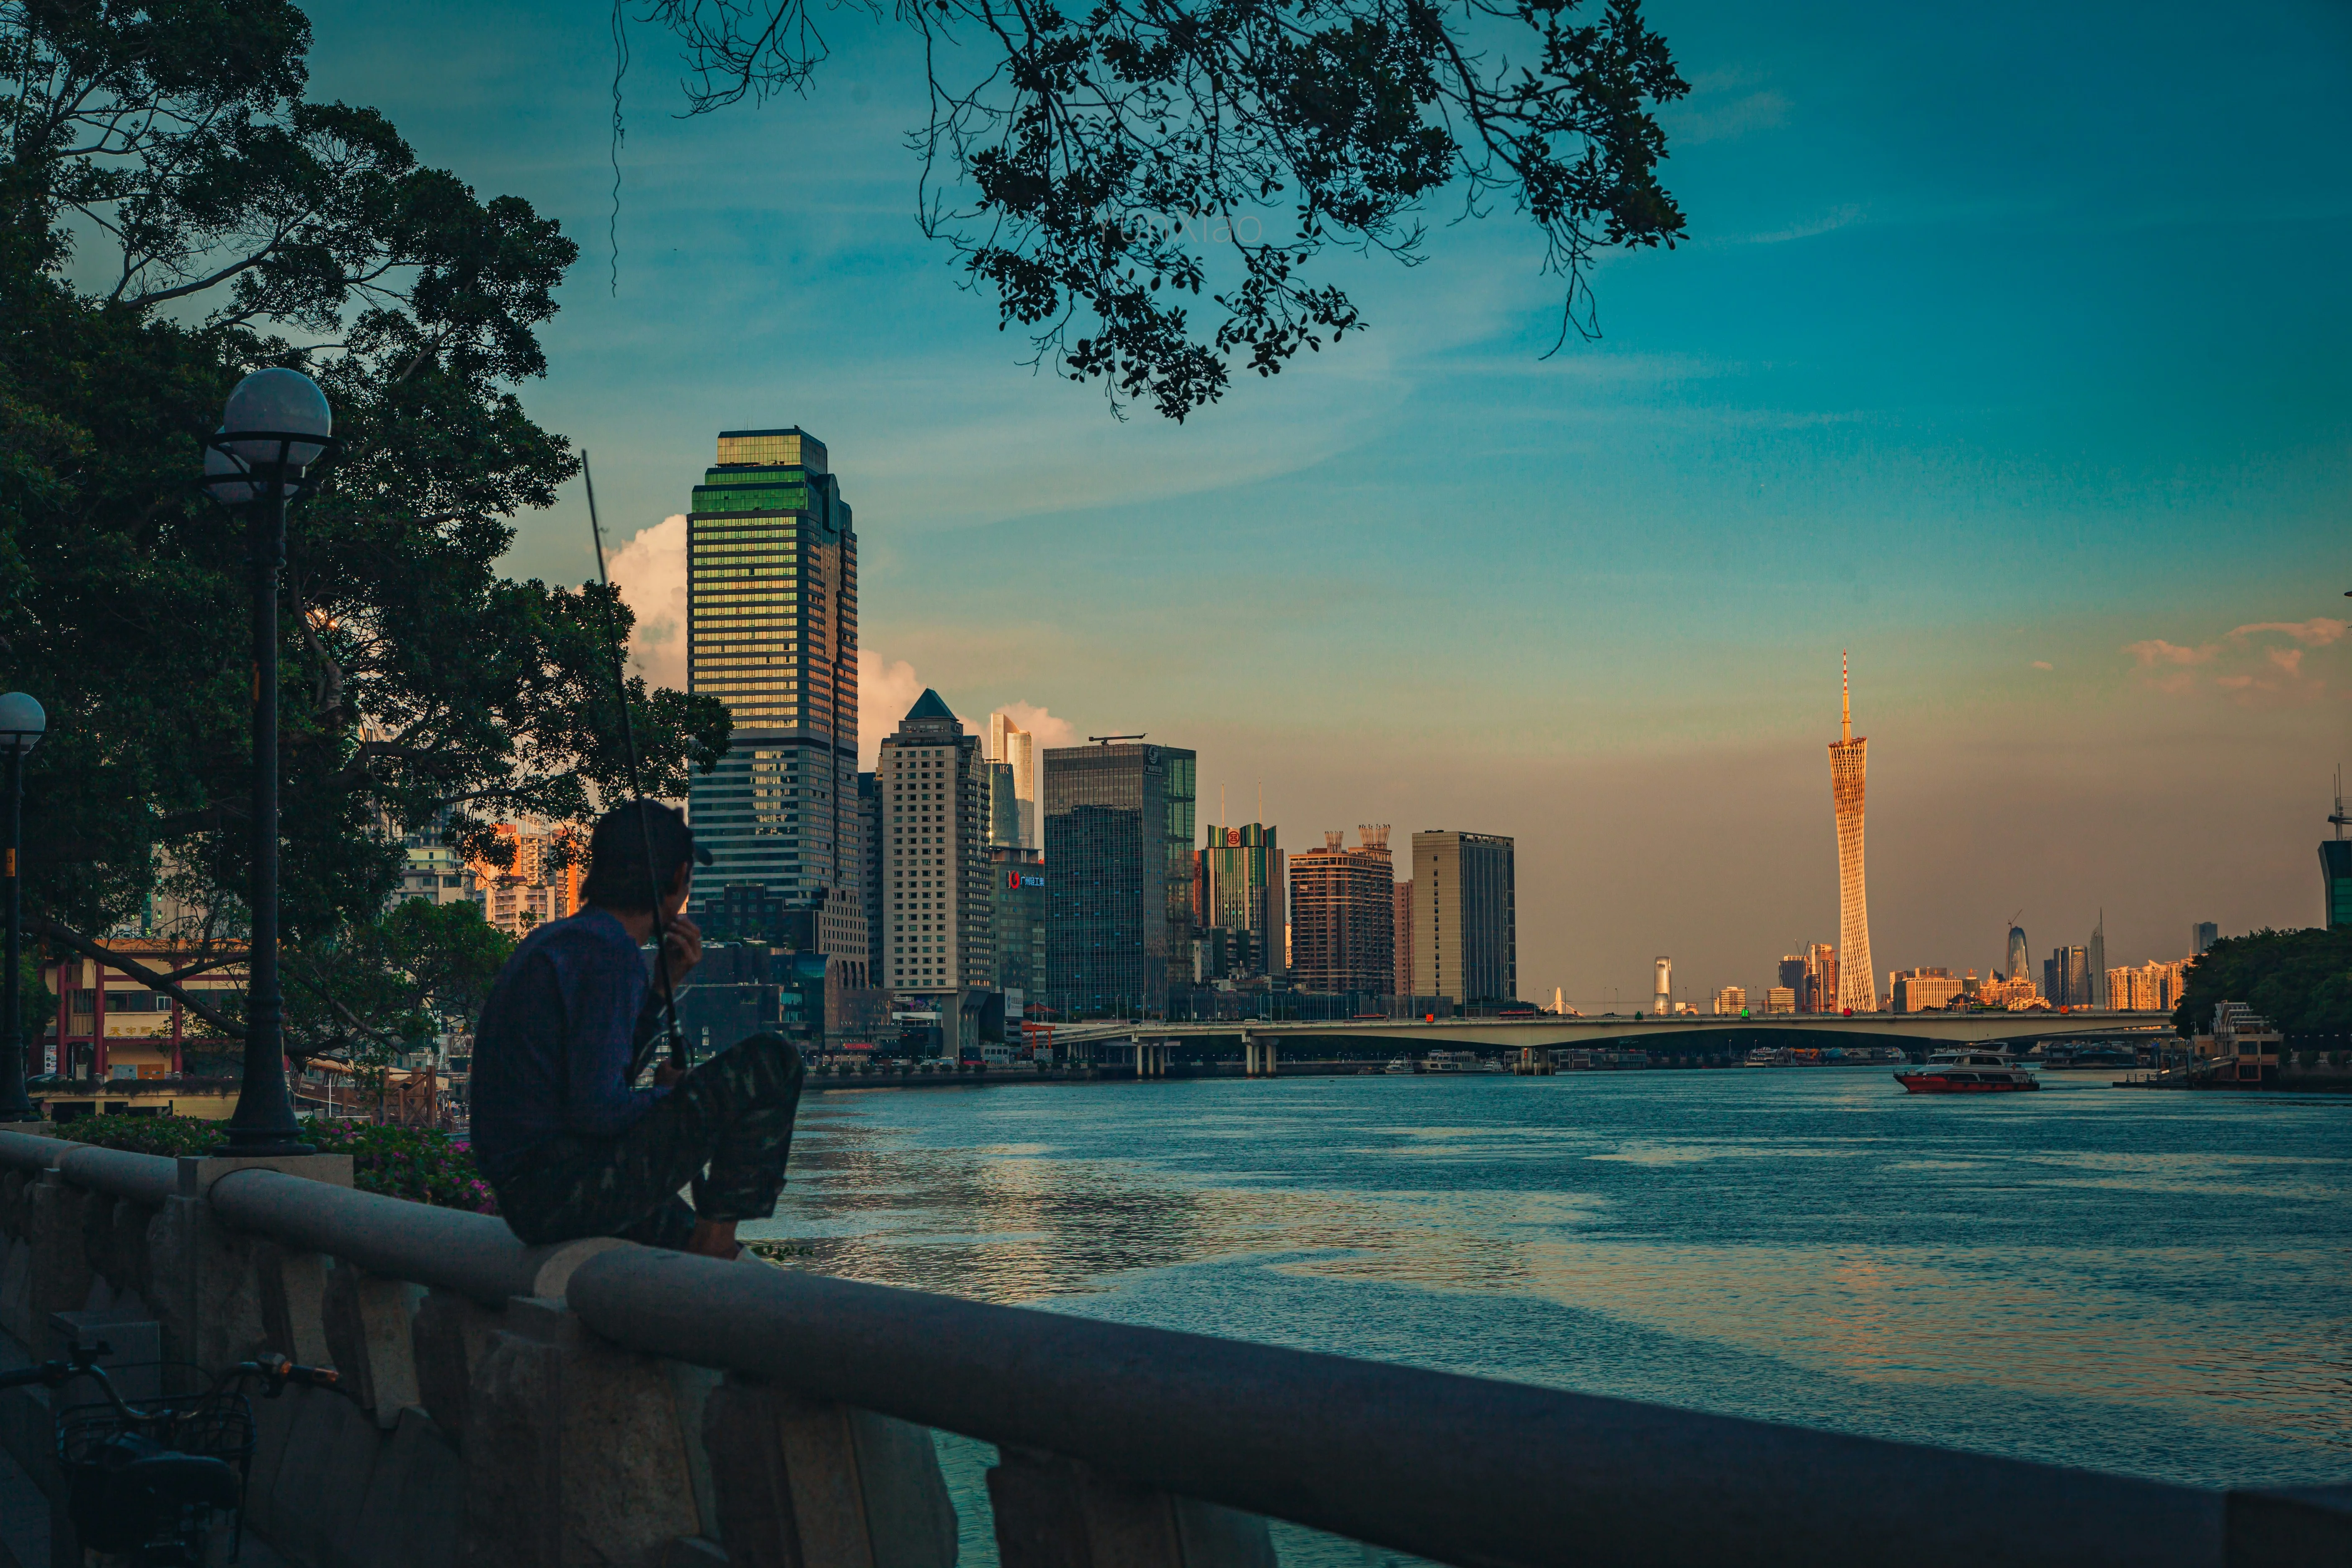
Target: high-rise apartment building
(1402,925)
(1342,904)
(772,631)
(1730,1002)
(1780,999)
(538,884)
(2202,935)
(936,895)
(1009,743)
(1117,821)
(1466,923)
(1242,889)
(1849,757)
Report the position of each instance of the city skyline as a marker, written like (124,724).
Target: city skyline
(1898,353)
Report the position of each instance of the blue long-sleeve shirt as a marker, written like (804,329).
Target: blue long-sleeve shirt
(564,1021)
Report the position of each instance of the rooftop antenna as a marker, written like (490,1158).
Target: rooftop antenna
(2338,815)
(1845,700)
(678,1056)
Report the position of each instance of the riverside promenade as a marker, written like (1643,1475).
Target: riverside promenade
(600,1403)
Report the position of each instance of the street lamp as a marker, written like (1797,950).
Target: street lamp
(22,725)
(274,427)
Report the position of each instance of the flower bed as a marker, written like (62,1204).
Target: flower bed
(399,1162)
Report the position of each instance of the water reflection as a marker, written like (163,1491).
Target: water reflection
(2137,1281)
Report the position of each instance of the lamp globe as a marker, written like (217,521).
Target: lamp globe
(22,723)
(282,403)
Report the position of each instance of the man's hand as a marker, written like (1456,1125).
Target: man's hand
(668,1073)
(682,946)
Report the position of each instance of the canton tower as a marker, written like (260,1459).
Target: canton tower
(1857,983)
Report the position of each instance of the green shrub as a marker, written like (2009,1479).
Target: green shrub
(422,1167)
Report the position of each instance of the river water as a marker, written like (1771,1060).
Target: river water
(2138,1281)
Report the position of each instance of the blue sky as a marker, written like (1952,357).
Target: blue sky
(2007,351)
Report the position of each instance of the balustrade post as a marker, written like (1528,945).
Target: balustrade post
(575,1454)
(1053,1513)
(802,1483)
(293,1290)
(373,1345)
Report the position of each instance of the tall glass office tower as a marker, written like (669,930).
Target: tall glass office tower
(772,631)
(1118,876)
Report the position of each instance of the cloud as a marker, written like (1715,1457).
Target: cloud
(2042,664)
(1048,729)
(2247,663)
(886,689)
(650,572)
(2156,651)
(2317,632)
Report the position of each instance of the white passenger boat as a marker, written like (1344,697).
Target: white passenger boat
(1968,1069)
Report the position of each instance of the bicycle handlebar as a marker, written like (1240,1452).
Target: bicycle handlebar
(275,1371)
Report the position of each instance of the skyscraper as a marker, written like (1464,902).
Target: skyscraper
(1243,892)
(772,631)
(1466,923)
(2202,935)
(1342,904)
(1858,987)
(1819,994)
(1010,743)
(2018,959)
(1118,820)
(1791,974)
(1001,807)
(935,873)
(1664,1002)
(2096,958)
(2066,977)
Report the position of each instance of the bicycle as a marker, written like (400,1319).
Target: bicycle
(150,1482)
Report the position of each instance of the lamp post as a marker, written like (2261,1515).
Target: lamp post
(22,725)
(274,427)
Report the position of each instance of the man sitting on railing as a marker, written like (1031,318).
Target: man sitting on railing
(570,1144)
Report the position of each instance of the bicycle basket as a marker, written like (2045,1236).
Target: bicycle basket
(159,1473)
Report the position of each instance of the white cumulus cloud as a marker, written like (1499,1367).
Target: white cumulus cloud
(650,572)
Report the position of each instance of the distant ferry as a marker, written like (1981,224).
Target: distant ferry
(1967,1071)
(1458,1061)
(1398,1065)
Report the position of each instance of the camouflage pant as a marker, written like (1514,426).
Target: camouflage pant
(727,1128)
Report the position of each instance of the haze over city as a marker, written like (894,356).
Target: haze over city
(1960,370)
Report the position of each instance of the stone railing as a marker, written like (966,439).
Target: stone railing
(601,1403)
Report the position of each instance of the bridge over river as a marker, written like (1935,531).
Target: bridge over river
(1260,1039)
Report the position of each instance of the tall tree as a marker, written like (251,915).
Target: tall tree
(1108,175)
(173,213)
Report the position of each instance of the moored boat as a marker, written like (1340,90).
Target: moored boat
(1970,1071)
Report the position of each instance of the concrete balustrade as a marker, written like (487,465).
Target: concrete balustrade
(599,1404)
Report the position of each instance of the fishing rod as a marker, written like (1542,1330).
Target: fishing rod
(676,1037)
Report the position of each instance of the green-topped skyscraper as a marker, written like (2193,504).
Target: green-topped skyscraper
(772,631)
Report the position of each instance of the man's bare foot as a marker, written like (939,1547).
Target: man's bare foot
(714,1239)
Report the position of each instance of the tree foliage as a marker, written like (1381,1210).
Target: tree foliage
(175,213)
(1108,175)
(2300,980)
